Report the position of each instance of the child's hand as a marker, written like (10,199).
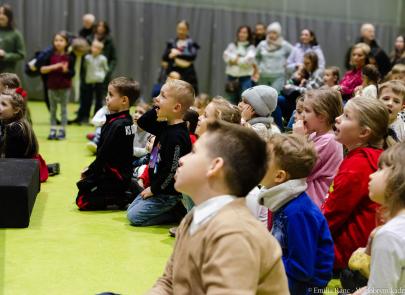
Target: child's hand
(174,52)
(64,67)
(146,193)
(2,53)
(83,173)
(140,182)
(299,128)
(247,112)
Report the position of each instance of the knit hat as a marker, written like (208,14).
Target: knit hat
(262,98)
(274,27)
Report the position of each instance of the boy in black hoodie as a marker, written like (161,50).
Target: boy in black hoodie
(105,182)
(157,203)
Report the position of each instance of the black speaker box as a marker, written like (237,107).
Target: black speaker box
(19,186)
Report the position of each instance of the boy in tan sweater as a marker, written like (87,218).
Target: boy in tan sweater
(221,248)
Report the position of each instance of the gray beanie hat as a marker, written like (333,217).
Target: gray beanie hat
(262,98)
(274,27)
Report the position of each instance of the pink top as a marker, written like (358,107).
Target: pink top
(330,156)
(350,80)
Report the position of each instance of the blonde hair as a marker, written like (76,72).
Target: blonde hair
(226,111)
(397,86)
(398,69)
(394,195)
(372,114)
(364,47)
(183,93)
(293,153)
(327,103)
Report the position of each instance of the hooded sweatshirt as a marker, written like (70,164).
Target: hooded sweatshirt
(330,156)
(303,234)
(350,213)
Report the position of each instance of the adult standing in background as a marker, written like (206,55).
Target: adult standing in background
(377,54)
(102,34)
(88,25)
(260,33)
(180,53)
(307,43)
(12,48)
(271,57)
(397,56)
(239,57)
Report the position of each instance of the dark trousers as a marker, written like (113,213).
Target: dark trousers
(87,93)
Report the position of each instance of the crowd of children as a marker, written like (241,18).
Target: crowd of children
(260,211)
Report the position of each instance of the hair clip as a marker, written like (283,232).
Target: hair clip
(21,91)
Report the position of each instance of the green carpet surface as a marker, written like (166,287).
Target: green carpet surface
(66,251)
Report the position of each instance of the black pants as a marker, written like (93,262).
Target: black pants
(88,92)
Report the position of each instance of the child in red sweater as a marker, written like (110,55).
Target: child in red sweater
(350,213)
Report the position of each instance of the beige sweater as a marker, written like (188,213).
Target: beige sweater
(232,253)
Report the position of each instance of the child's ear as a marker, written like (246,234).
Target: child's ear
(215,167)
(177,107)
(125,99)
(365,133)
(281,176)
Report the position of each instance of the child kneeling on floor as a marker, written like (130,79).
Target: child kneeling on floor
(298,223)
(105,182)
(220,247)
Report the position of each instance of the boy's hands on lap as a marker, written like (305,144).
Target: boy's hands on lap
(146,193)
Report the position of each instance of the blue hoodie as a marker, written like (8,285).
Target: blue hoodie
(303,234)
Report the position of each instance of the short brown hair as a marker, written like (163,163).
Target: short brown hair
(397,86)
(327,103)
(394,194)
(335,72)
(244,154)
(9,80)
(293,153)
(183,93)
(127,87)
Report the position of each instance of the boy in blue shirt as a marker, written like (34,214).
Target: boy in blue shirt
(298,224)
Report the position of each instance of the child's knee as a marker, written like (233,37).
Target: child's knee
(136,218)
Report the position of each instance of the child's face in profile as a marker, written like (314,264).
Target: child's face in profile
(114,101)
(378,184)
(193,167)
(329,79)
(209,115)
(398,76)
(394,103)
(165,103)
(347,128)
(6,109)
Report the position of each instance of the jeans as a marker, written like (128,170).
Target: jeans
(155,210)
(58,96)
(245,82)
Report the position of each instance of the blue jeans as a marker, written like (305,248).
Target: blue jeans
(245,82)
(153,211)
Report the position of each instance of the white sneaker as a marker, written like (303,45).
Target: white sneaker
(92,147)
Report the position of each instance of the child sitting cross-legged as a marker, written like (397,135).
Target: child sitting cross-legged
(220,247)
(298,223)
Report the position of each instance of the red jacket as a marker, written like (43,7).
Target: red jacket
(350,213)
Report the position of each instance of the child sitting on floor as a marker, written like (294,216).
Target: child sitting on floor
(219,239)
(105,182)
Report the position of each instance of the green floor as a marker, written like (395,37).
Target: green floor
(65,251)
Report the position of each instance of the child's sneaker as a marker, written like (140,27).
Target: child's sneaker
(61,134)
(92,147)
(52,134)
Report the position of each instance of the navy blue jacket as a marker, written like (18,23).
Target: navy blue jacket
(307,244)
